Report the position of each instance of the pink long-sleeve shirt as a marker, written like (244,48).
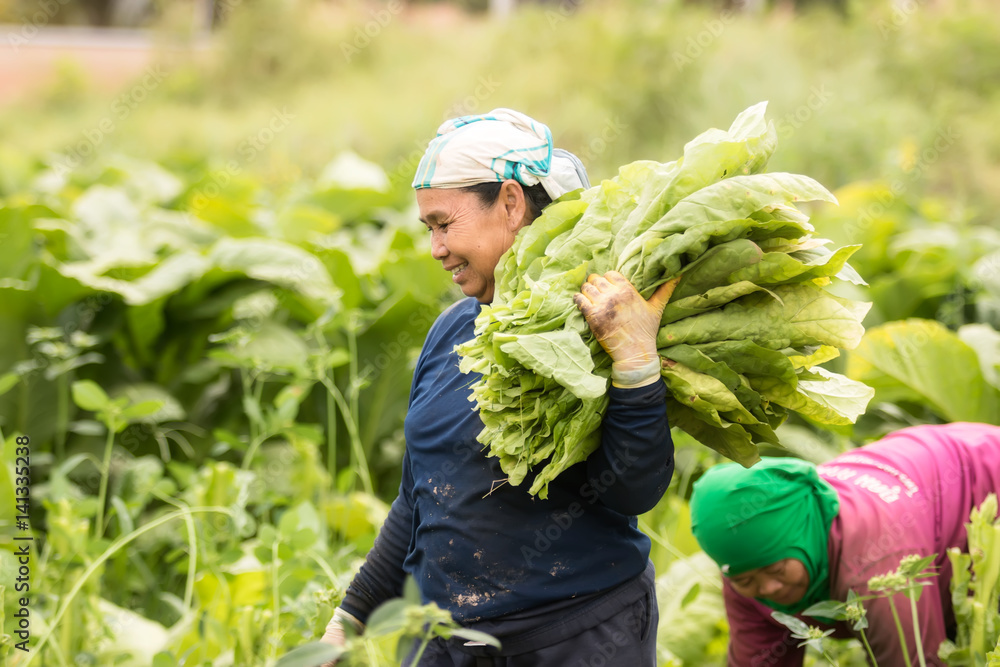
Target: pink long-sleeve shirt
(909,493)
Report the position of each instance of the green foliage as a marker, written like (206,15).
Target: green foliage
(395,629)
(975,589)
(233,378)
(921,363)
(654,82)
(922,257)
(272,300)
(692,628)
(907,579)
(185,309)
(810,636)
(255,46)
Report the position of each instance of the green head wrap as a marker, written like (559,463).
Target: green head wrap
(746,518)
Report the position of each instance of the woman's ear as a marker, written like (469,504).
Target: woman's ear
(515,204)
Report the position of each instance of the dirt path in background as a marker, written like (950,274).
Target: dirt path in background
(109,59)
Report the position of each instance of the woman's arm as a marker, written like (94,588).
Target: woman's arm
(633,466)
(381,576)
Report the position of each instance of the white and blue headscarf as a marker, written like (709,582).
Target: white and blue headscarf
(497,146)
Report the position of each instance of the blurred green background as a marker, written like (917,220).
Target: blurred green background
(213,285)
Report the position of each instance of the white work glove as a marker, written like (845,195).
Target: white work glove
(625,325)
(334,634)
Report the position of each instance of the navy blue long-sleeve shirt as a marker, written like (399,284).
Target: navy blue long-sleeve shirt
(482,549)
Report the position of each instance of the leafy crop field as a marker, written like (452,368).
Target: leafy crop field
(213,288)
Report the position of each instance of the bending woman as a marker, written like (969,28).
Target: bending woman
(560,581)
(788,534)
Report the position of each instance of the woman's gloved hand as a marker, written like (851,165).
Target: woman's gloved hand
(625,325)
(335,633)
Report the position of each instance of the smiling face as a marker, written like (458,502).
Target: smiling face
(468,238)
(784,582)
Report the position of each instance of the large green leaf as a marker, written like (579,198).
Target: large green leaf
(271,346)
(831,399)
(109,230)
(132,634)
(730,199)
(560,355)
(923,362)
(535,239)
(167,277)
(698,361)
(163,278)
(310,655)
(985,340)
(710,300)
(19,253)
(748,359)
(145,181)
(279,263)
(706,394)
(793,315)
(387,345)
(338,265)
(88,395)
(776,268)
(709,158)
(718,266)
(731,440)
(420,274)
(349,171)
(55,290)
(303,222)
(301,524)
(167,407)
(692,612)
(145,324)
(351,188)
(356,516)
(226,201)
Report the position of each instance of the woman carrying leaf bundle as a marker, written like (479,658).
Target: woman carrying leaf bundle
(560,580)
(788,534)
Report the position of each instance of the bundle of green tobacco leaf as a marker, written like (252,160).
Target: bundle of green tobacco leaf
(740,337)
